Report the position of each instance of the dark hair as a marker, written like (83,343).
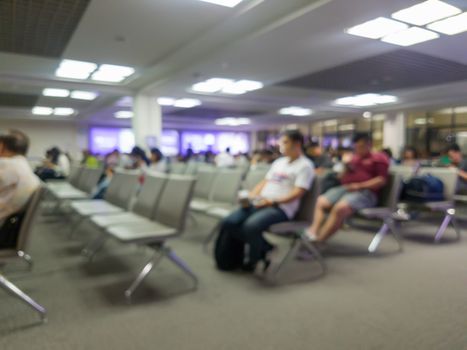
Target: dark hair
(411,149)
(388,152)
(294,136)
(454,147)
(139,152)
(359,136)
(313,144)
(227,149)
(15,141)
(156,151)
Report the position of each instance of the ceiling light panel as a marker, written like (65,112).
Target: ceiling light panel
(365,100)
(39,110)
(75,69)
(55,92)
(231,121)
(426,12)
(410,37)
(212,85)
(295,111)
(451,26)
(63,111)
(226,3)
(377,28)
(123,114)
(227,86)
(83,95)
(112,73)
(187,103)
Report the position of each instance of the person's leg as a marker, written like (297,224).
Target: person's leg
(234,221)
(341,211)
(253,228)
(323,204)
(350,203)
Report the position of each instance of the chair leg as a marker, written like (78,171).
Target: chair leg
(292,252)
(27,258)
(377,239)
(211,237)
(142,275)
(94,246)
(15,291)
(169,253)
(315,252)
(442,228)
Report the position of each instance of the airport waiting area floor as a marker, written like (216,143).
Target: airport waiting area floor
(413,300)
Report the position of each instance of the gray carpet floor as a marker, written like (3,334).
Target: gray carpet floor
(411,300)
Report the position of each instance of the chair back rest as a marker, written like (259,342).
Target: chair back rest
(128,185)
(175,200)
(391,192)
(92,179)
(191,168)
(111,194)
(178,168)
(83,178)
(449,178)
(30,214)
(254,177)
(149,195)
(404,171)
(226,186)
(204,180)
(75,172)
(306,209)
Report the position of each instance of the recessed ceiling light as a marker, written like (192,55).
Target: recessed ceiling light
(377,28)
(123,114)
(451,26)
(295,111)
(187,103)
(212,85)
(75,69)
(55,92)
(410,37)
(226,3)
(63,111)
(83,95)
(39,110)
(367,115)
(242,87)
(112,73)
(365,100)
(230,121)
(426,12)
(166,101)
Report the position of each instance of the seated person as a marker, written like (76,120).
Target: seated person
(56,165)
(365,174)
(275,199)
(456,159)
(320,159)
(17,180)
(158,163)
(410,157)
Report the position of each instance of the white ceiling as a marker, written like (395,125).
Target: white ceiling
(175,43)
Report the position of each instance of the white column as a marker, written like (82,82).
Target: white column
(147,121)
(394,133)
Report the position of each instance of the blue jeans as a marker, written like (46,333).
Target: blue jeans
(248,225)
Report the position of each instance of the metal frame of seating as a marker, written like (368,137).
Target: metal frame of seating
(168,222)
(292,230)
(19,251)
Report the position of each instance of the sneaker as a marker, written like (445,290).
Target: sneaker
(305,234)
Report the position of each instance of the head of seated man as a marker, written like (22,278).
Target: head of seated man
(365,173)
(275,199)
(17,180)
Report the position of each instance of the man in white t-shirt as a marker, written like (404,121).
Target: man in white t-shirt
(17,180)
(275,199)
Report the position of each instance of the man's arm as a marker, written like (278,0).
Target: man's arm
(372,184)
(296,193)
(462,174)
(256,191)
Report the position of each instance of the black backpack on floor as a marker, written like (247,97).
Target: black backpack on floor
(228,252)
(424,188)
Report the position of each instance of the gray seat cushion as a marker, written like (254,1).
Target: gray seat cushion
(142,232)
(117,219)
(91,207)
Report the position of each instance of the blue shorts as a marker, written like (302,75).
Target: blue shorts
(357,200)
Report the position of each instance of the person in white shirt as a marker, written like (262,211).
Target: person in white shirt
(158,162)
(275,199)
(17,180)
(225,159)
